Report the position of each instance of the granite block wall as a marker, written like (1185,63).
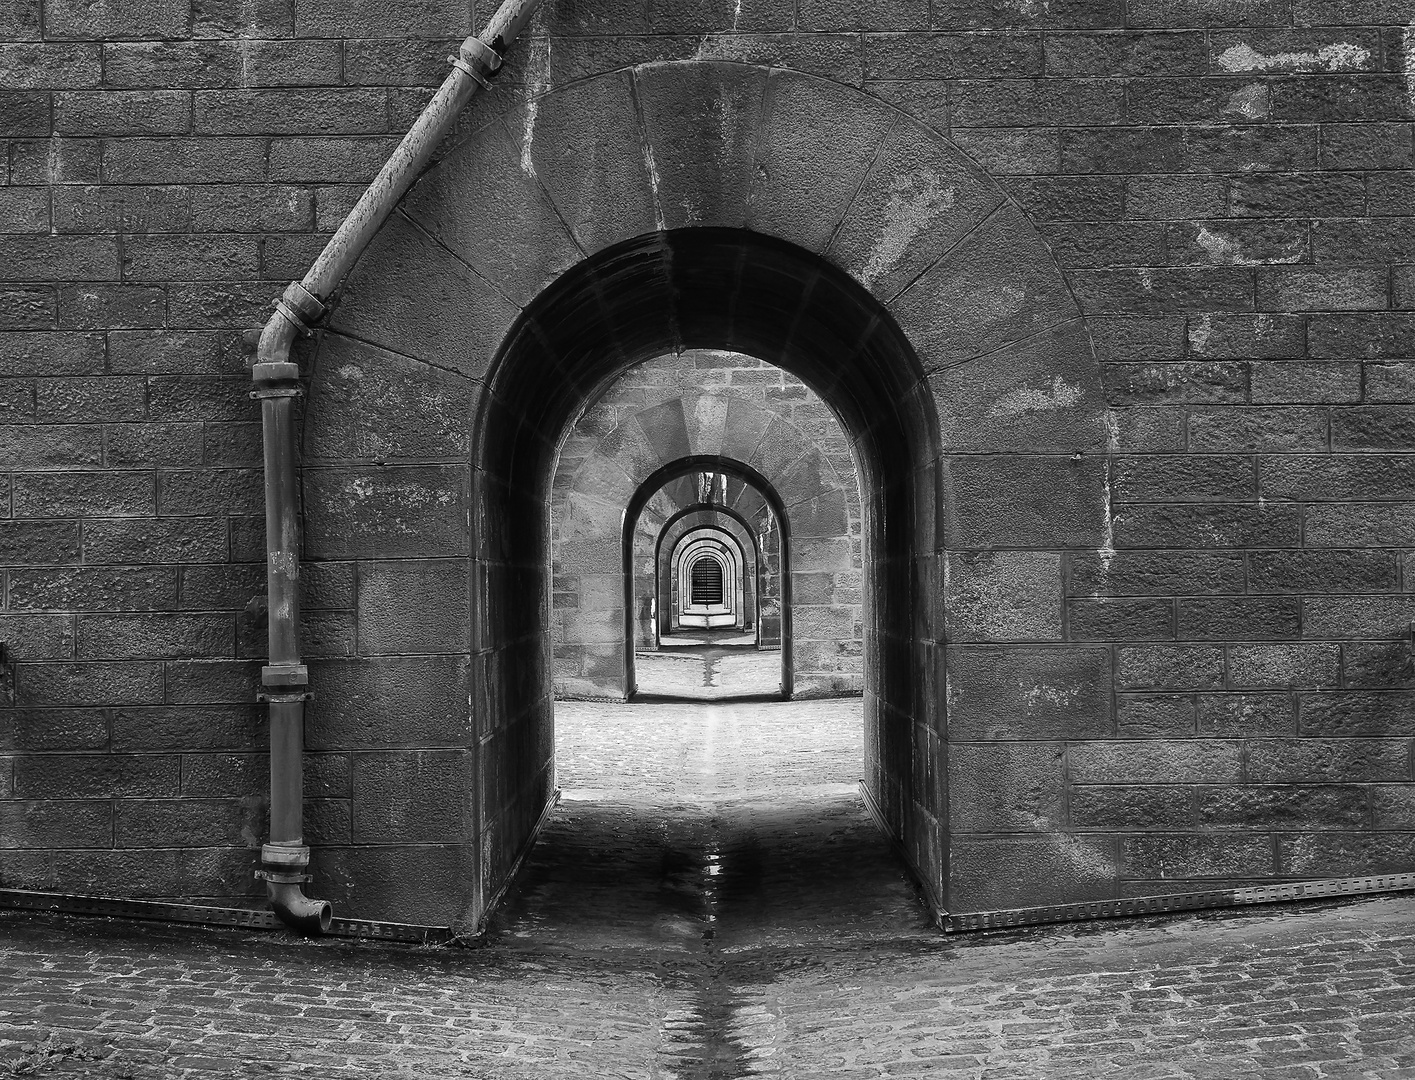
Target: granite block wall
(1214,686)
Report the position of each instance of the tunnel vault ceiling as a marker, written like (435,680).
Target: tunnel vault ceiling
(727,206)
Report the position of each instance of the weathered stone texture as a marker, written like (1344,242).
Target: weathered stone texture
(1155,262)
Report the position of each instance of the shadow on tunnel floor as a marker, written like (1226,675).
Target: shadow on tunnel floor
(739,874)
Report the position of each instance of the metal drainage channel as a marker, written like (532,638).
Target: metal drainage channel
(1191,901)
(249,919)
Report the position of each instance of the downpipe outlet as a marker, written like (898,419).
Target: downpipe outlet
(283,871)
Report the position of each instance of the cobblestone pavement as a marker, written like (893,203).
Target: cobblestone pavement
(711,903)
(708,672)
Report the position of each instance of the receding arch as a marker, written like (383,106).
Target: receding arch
(689,517)
(742,471)
(614,446)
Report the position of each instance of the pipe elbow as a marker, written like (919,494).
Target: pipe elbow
(295,312)
(302,914)
(277,337)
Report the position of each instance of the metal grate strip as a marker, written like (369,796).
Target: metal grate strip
(248,918)
(1191,901)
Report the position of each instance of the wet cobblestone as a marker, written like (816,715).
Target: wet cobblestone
(711,901)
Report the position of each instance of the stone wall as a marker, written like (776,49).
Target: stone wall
(1212,687)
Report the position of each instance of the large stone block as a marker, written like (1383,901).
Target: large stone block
(583,145)
(1378,664)
(1003,596)
(1262,666)
(1170,667)
(66,823)
(1249,715)
(1042,394)
(1024,502)
(220,874)
(997,286)
(413,606)
(988,874)
(1028,692)
(1351,571)
(1150,573)
(414,297)
(1197,857)
(129,683)
(1120,619)
(920,199)
(163,634)
(402,512)
(1007,787)
(392,701)
(212,682)
(90,776)
(1328,806)
(165,823)
(1179,762)
(39,637)
(1323,760)
(28,730)
(1346,712)
(1213,618)
(701,122)
(795,180)
(410,797)
(1358,616)
(213,727)
(1154,716)
(1330,855)
(479,199)
(1125,808)
(425,883)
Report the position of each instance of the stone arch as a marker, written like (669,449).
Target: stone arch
(587,511)
(713,205)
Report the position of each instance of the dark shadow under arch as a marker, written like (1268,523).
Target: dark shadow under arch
(670,472)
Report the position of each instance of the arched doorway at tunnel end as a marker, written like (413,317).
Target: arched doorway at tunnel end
(712,205)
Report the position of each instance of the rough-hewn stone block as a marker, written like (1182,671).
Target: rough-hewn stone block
(1029,693)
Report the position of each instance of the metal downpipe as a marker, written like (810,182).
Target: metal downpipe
(285,680)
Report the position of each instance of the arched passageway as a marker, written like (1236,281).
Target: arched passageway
(727,206)
(727,289)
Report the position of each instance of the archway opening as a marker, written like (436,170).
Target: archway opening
(705,651)
(708,289)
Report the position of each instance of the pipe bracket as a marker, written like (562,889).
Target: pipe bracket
(282,878)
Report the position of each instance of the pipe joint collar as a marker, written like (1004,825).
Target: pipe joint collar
(281,857)
(276,371)
(284,675)
(300,307)
(478,60)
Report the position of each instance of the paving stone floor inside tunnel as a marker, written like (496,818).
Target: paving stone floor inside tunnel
(711,902)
